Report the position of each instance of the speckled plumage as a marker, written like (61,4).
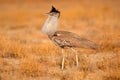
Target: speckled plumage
(68,39)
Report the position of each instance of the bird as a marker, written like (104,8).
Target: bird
(64,39)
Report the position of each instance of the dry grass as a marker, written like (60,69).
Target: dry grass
(27,54)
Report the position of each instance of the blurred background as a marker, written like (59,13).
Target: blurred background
(25,51)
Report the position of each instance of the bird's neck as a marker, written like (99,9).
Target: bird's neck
(50,26)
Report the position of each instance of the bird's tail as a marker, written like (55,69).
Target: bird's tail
(94,46)
(91,45)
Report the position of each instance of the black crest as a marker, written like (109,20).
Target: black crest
(54,10)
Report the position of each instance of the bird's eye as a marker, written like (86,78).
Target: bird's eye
(51,13)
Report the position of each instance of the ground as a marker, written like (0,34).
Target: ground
(28,54)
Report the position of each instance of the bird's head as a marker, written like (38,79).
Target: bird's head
(50,25)
(54,12)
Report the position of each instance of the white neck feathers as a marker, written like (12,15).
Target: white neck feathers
(50,26)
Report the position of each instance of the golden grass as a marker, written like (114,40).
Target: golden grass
(27,54)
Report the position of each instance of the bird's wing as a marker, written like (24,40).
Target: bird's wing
(62,42)
(68,39)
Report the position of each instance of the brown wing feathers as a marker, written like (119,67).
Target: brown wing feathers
(68,39)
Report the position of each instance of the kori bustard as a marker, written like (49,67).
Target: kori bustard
(64,38)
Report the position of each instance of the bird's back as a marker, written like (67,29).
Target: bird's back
(68,39)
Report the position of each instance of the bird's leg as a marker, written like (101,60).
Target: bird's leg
(63,60)
(76,56)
